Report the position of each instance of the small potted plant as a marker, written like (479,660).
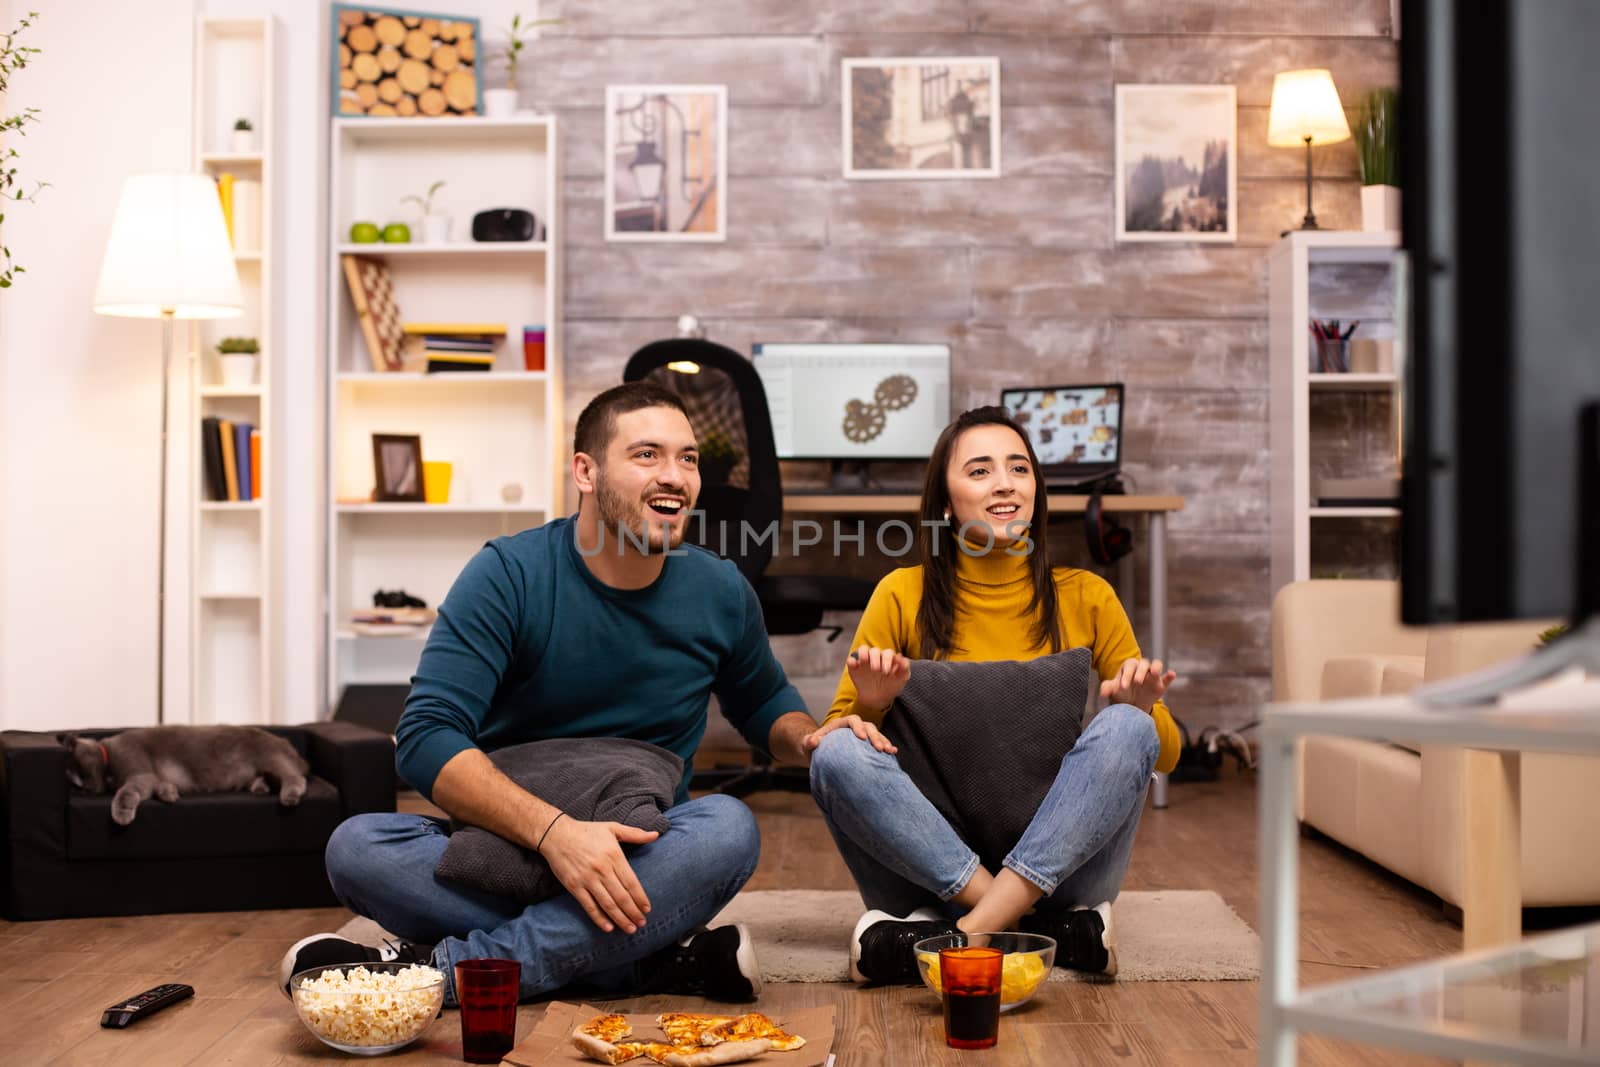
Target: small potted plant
(502,103)
(237,356)
(244,136)
(718,457)
(435,227)
(1377,134)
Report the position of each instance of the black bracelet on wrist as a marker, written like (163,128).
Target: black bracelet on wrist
(547,829)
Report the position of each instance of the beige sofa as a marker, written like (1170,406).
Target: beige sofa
(1401,804)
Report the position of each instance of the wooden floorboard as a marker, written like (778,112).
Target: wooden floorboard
(56,977)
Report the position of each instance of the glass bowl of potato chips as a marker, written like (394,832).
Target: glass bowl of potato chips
(1026,964)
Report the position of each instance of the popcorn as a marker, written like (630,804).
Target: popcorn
(370,1009)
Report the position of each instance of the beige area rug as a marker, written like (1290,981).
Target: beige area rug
(802,935)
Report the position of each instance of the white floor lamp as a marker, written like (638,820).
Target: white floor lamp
(168,257)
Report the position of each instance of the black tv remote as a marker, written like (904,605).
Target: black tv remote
(149,1002)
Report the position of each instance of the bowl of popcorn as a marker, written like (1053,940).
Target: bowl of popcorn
(1026,964)
(368,1009)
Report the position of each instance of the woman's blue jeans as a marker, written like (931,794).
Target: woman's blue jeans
(904,855)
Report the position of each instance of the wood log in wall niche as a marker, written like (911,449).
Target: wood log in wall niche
(398,64)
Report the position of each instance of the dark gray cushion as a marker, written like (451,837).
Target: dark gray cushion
(984,741)
(604,779)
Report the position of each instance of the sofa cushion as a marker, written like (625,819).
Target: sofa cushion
(202,825)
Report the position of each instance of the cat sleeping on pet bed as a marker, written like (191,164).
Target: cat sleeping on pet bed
(168,761)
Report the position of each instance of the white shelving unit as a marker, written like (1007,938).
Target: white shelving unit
(1324,275)
(231,558)
(497,429)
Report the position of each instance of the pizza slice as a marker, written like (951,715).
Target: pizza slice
(685,1027)
(750,1027)
(700,1056)
(601,1038)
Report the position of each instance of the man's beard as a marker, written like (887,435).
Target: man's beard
(619,514)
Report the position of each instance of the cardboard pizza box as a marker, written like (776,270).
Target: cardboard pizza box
(550,1043)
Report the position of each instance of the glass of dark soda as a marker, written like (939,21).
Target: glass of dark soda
(970,979)
(487,991)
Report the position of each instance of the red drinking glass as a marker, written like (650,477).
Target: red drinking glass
(486,989)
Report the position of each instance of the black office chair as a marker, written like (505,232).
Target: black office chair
(742,487)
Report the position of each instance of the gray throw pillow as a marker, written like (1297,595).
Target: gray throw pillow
(604,779)
(984,741)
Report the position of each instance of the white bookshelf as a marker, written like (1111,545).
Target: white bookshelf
(232,554)
(499,428)
(1324,274)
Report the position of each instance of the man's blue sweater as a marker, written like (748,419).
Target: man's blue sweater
(529,645)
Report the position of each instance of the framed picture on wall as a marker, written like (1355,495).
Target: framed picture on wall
(404,64)
(1177,163)
(921,117)
(666,162)
(397,467)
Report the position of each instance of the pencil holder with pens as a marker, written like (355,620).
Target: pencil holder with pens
(1330,348)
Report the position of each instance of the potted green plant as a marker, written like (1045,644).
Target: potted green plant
(1377,133)
(502,103)
(237,357)
(435,227)
(718,457)
(244,136)
(13,57)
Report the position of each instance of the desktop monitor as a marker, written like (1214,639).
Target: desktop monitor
(1500,149)
(843,401)
(1076,430)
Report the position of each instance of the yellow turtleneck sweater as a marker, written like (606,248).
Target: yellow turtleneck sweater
(994,620)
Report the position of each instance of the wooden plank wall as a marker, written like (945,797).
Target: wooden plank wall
(1020,275)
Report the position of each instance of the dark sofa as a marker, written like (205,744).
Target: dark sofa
(64,857)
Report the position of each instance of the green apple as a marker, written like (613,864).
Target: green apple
(397,233)
(364,233)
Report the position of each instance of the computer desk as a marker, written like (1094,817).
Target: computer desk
(1156,507)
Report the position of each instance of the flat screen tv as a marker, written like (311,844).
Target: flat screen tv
(1500,161)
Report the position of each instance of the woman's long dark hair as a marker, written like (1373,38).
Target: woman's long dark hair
(937,545)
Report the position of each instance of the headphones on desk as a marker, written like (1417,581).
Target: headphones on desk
(1108,539)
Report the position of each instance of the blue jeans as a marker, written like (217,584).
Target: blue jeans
(904,855)
(381,866)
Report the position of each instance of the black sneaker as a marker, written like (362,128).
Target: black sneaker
(1085,940)
(880,947)
(719,964)
(331,950)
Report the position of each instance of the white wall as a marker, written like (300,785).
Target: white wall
(80,394)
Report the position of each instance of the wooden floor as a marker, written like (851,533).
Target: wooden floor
(56,977)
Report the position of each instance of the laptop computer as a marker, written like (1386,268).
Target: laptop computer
(1076,430)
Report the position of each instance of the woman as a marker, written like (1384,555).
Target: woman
(993,597)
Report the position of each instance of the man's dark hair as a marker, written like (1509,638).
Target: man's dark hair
(598,423)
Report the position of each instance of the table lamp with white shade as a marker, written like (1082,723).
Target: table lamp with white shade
(167,257)
(1306,110)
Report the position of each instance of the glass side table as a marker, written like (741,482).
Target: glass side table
(1534,1002)
(1558,719)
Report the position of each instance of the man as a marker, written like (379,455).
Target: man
(595,626)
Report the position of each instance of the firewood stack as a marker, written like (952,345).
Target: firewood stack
(406,65)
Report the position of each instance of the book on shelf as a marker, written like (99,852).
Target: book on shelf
(230,462)
(456,329)
(241,452)
(446,362)
(465,343)
(211,452)
(255,462)
(225,194)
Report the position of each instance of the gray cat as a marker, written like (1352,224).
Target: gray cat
(169,760)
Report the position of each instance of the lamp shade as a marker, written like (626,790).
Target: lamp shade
(168,251)
(1305,104)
